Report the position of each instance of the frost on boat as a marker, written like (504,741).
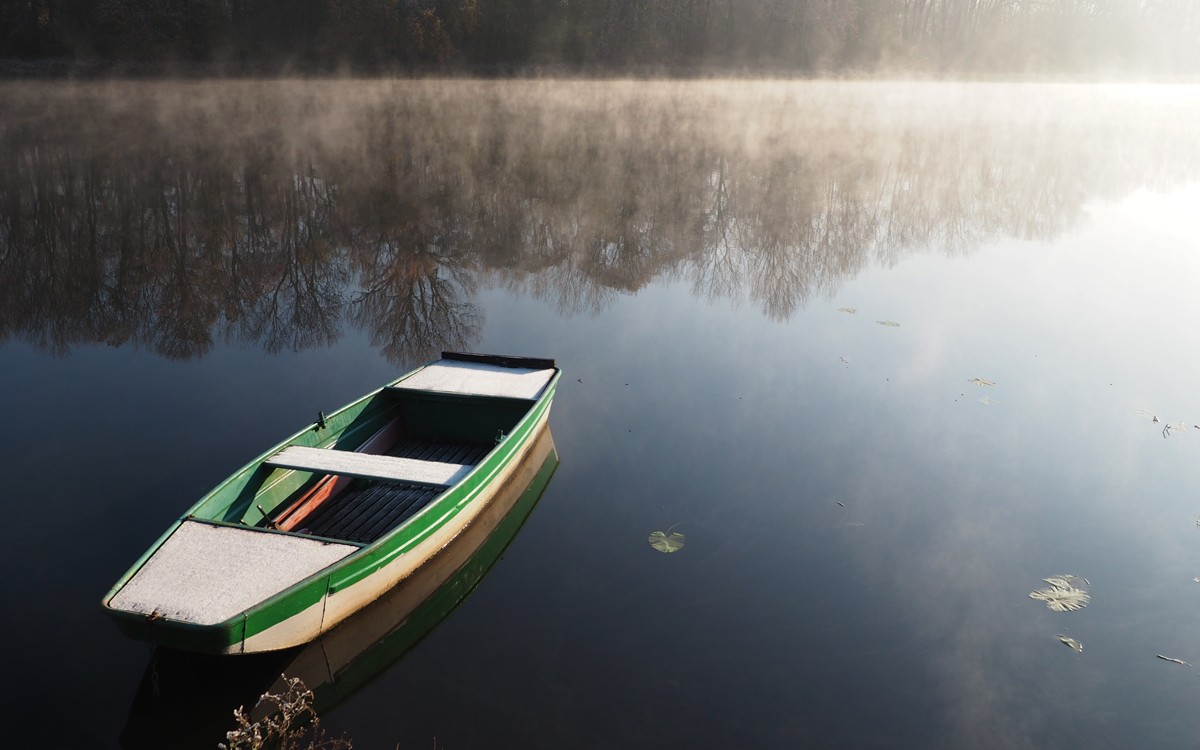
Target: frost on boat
(324,523)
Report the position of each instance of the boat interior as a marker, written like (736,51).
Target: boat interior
(373,466)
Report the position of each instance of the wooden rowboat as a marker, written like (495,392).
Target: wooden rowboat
(329,520)
(186,700)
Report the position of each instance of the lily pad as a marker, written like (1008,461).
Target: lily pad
(890,323)
(663,543)
(850,310)
(1075,645)
(1061,596)
(980,381)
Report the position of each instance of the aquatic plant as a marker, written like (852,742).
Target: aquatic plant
(286,727)
(1061,595)
(665,541)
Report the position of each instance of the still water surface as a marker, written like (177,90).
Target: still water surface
(188,272)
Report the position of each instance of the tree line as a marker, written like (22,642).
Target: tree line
(772,36)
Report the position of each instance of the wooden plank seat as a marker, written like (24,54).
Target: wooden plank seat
(369,466)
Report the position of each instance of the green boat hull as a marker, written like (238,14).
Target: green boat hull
(186,700)
(316,604)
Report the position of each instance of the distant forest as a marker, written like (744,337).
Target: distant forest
(772,36)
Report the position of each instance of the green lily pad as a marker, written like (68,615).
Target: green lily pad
(663,543)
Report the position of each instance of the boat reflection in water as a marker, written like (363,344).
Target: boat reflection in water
(187,700)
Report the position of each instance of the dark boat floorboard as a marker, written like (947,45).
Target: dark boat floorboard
(366,511)
(447,450)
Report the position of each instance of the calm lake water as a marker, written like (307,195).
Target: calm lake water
(189,271)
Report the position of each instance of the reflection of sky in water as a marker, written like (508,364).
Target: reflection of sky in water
(781,622)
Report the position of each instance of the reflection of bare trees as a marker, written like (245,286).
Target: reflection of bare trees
(272,214)
(415,303)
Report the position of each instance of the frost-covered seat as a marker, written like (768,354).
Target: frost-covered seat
(477,379)
(207,573)
(369,466)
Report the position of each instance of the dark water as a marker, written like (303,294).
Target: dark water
(188,272)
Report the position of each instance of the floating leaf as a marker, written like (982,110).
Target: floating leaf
(890,323)
(850,310)
(1169,427)
(663,543)
(1061,596)
(1075,645)
(987,401)
(1067,577)
(980,381)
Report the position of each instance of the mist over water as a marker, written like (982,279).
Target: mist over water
(174,215)
(190,270)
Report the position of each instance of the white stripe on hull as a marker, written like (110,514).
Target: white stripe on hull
(301,627)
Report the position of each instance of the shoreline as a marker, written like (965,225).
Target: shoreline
(67,69)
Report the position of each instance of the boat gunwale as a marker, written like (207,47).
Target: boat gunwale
(537,406)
